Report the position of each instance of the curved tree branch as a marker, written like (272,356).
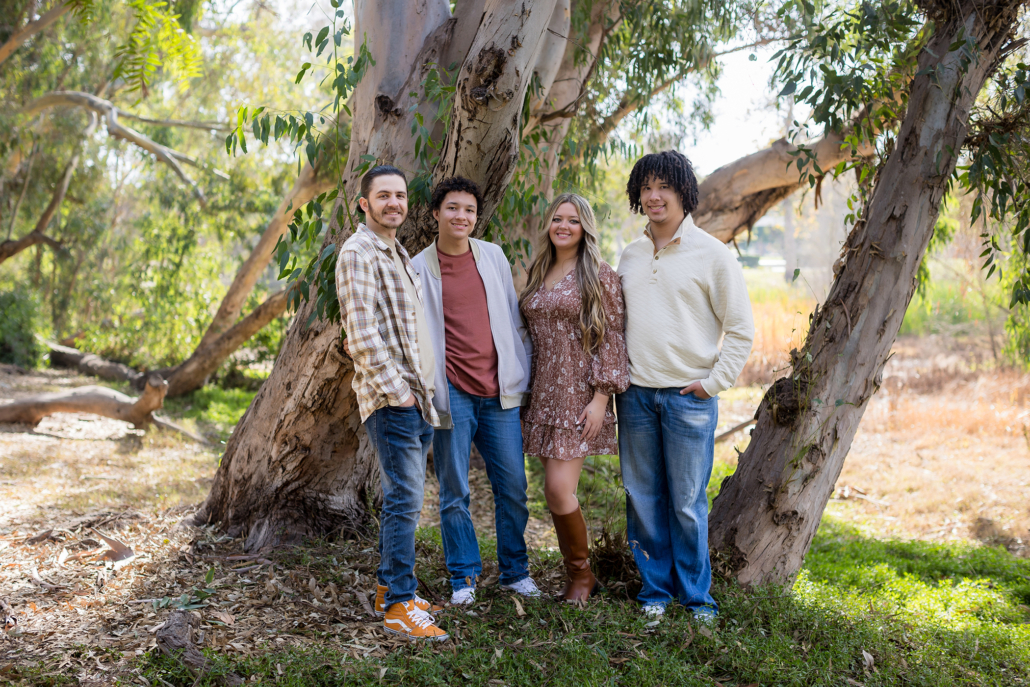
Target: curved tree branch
(181,123)
(107,109)
(32,28)
(308,185)
(12,247)
(193,373)
(37,235)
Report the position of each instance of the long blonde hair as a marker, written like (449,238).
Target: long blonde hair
(588,263)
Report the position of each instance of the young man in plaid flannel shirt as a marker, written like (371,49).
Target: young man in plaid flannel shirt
(381,306)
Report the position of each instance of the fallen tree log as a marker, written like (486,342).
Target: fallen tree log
(97,400)
(90,364)
(173,640)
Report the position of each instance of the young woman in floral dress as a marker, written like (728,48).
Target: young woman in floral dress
(573,308)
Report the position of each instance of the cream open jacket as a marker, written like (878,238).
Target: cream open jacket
(511,339)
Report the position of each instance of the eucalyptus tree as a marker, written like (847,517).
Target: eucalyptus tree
(966,125)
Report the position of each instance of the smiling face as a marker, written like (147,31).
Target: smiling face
(456,216)
(660,201)
(387,202)
(565,231)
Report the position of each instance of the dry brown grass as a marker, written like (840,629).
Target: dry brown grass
(943,450)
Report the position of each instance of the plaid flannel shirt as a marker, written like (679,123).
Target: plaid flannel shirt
(379,321)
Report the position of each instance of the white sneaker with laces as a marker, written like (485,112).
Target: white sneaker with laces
(654,611)
(524,587)
(464,597)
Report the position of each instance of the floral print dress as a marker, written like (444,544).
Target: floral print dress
(565,377)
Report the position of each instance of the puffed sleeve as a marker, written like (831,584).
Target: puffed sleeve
(609,367)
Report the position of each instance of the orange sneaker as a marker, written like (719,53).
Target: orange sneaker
(380,607)
(407,619)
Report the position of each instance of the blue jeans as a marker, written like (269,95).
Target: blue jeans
(401,439)
(497,434)
(666,448)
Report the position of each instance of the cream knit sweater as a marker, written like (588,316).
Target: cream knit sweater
(679,302)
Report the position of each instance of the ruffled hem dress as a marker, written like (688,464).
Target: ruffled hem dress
(564,377)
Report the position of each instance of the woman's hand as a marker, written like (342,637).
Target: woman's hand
(592,417)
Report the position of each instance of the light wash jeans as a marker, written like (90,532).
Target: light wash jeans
(401,439)
(497,434)
(666,448)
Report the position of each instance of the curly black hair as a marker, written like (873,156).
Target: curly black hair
(455,184)
(669,166)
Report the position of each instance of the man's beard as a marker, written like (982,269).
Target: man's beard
(381,220)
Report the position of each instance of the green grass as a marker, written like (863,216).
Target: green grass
(214,410)
(951,303)
(925,614)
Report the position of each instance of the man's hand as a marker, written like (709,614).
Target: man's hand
(409,401)
(696,389)
(346,348)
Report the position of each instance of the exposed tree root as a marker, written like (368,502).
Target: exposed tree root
(97,400)
(173,639)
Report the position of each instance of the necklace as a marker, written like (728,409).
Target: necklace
(564,274)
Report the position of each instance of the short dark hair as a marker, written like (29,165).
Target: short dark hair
(670,166)
(379,171)
(456,184)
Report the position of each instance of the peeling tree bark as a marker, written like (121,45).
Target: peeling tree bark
(766,514)
(174,639)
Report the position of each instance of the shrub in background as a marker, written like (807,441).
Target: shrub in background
(20,320)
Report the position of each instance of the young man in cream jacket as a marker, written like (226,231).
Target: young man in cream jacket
(684,291)
(482,378)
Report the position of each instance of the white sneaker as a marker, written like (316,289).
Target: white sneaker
(524,587)
(464,597)
(705,617)
(654,611)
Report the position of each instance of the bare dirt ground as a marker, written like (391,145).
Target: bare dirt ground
(943,453)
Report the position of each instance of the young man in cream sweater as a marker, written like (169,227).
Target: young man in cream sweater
(684,291)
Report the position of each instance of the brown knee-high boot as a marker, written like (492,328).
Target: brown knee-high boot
(575,549)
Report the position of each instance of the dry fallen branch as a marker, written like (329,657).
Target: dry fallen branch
(173,639)
(733,430)
(106,109)
(90,364)
(97,400)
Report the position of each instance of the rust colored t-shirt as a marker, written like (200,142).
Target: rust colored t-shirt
(471,356)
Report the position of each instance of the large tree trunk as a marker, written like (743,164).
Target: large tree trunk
(766,514)
(299,462)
